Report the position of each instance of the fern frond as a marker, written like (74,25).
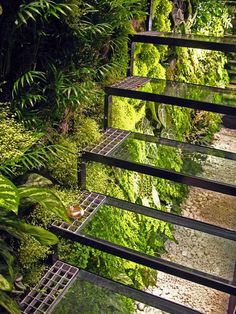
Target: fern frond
(33,159)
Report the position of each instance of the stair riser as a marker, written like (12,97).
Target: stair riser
(183,43)
(180,102)
(161,173)
(153,262)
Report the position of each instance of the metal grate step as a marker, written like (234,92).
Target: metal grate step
(38,302)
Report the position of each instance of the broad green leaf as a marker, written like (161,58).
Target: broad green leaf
(155,197)
(5,284)
(45,237)
(8,303)
(124,279)
(7,256)
(9,197)
(152,107)
(36,180)
(46,198)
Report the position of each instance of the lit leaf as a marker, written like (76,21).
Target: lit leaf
(9,197)
(8,303)
(45,237)
(145,202)
(162,114)
(5,284)
(7,256)
(155,197)
(46,198)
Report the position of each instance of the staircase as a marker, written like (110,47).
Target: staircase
(112,151)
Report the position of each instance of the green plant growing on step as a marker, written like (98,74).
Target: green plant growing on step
(11,199)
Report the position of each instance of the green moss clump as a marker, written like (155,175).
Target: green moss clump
(14,138)
(30,252)
(64,168)
(86,132)
(126,114)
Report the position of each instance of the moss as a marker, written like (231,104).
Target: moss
(34,274)
(14,138)
(64,168)
(86,132)
(41,216)
(98,177)
(30,252)
(126,114)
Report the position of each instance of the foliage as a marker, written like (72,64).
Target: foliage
(56,57)
(14,138)
(11,198)
(84,297)
(212,17)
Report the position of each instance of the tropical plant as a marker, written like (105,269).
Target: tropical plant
(11,200)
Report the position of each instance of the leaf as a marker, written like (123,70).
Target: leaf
(7,256)
(45,237)
(162,114)
(9,197)
(155,197)
(46,198)
(168,133)
(5,284)
(8,303)
(145,202)
(36,180)
(122,277)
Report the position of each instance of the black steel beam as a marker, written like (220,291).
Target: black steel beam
(194,148)
(149,261)
(171,100)
(192,41)
(137,295)
(162,173)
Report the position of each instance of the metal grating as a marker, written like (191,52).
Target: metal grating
(49,289)
(90,203)
(111,139)
(132,82)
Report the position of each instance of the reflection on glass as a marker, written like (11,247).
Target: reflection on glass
(206,206)
(89,298)
(225,40)
(184,246)
(212,95)
(178,159)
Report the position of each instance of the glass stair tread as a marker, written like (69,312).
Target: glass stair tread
(190,164)
(73,290)
(187,95)
(227,43)
(185,270)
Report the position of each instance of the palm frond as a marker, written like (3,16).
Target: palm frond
(41,9)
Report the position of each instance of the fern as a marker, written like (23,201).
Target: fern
(33,159)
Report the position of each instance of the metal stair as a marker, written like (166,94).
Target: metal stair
(112,151)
